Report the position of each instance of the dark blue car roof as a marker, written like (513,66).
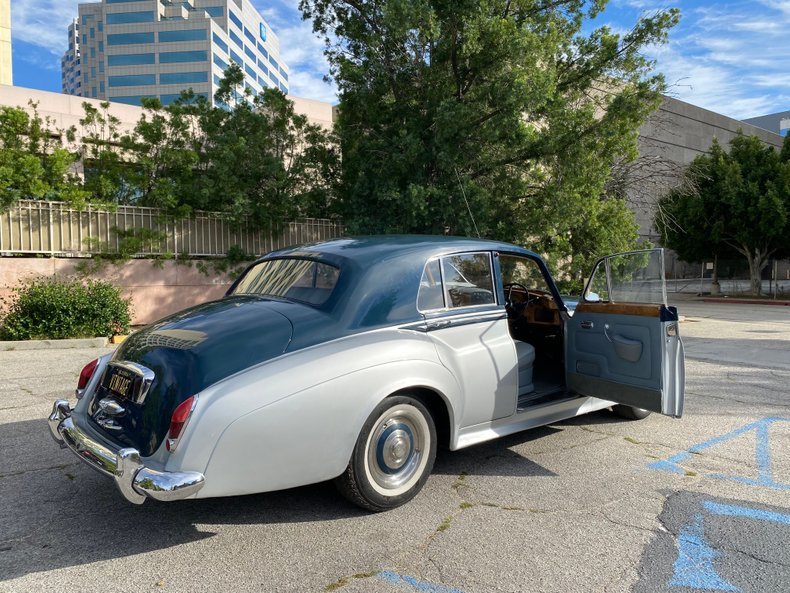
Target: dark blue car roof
(367,251)
(378,283)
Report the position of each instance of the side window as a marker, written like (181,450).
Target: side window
(524,271)
(634,277)
(431,294)
(467,280)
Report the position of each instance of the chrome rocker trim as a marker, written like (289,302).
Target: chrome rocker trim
(135,481)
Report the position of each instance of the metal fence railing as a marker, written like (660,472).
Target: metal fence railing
(55,228)
(733,277)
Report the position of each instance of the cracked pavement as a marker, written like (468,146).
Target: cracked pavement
(568,507)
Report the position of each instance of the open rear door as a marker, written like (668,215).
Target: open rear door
(623,342)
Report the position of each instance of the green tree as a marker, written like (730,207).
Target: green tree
(498,116)
(164,149)
(263,162)
(738,202)
(33,161)
(107,172)
(252,158)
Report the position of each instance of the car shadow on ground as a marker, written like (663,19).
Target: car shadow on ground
(56,512)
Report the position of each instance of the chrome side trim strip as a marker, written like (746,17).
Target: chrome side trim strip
(445,321)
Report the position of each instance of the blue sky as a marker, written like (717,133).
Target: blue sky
(729,57)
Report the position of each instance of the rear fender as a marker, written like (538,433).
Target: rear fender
(295,420)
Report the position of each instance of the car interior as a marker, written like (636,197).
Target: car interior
(534,319)
(536,326)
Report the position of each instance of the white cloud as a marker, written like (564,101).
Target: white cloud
(43,23)
(730,58)
(301,49)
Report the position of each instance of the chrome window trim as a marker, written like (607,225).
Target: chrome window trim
(441,284)
(440,259)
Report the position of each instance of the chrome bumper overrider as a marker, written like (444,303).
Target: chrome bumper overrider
(134,480)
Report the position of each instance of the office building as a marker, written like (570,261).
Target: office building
(70,72)
(778,123)
(130,49)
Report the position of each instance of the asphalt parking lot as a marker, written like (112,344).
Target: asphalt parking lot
(592,504)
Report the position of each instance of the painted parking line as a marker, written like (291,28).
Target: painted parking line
(734,510)
(694,564)
(411,582)
(762,455)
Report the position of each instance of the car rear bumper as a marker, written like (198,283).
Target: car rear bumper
(135,481)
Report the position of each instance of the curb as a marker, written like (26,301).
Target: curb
(737,301)
(53,344)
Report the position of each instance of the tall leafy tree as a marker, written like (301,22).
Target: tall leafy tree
(267,163)
(107,172)
(739,203)
(497,116)
(253,158)
(34,163)
(165,148)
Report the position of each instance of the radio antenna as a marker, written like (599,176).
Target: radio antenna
(468,209)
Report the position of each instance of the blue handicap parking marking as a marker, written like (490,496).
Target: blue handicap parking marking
(694,564)
(734,510)
(412,583)
(762,455)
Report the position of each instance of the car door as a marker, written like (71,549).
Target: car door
(623,342)
(469,328)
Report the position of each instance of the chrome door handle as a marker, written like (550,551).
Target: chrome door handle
(438,324)
(587,324)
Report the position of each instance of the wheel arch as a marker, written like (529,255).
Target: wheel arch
(438,406)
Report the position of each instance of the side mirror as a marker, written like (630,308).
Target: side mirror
(592,297)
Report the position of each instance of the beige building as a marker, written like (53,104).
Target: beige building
(668,142)
(66,110)
(6,76)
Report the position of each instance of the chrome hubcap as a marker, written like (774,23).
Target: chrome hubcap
(396,447)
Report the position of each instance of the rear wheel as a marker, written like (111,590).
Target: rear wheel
(630,412)
(393,456)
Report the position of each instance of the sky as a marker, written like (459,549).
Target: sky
(729,57)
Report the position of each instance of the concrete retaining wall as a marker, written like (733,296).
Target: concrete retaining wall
(154,292)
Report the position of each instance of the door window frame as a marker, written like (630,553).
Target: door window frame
(446,307)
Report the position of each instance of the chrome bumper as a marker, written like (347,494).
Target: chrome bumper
(135,481)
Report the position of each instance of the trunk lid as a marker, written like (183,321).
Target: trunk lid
(160,366)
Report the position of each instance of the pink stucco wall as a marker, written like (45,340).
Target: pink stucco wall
(154,292)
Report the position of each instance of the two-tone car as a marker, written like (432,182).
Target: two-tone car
(352,360)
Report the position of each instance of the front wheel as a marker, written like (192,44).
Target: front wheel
(393,456)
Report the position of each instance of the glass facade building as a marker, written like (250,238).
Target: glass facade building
(125,50)
(70,67)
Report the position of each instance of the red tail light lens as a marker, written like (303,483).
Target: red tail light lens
(178,421)
(85,376)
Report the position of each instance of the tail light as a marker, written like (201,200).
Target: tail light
(85,377)
(178,421)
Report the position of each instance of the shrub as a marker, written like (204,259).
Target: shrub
(45,308)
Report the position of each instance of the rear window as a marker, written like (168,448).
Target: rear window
(302,280)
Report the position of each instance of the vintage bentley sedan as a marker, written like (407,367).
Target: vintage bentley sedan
(354,359)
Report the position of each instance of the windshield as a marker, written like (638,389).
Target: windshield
(302,280)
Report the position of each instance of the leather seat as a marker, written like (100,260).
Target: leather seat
(526,358)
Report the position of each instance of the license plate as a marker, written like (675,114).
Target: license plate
(127,381)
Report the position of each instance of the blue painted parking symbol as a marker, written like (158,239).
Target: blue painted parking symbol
(694,565)
(762,454)
(399,579)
